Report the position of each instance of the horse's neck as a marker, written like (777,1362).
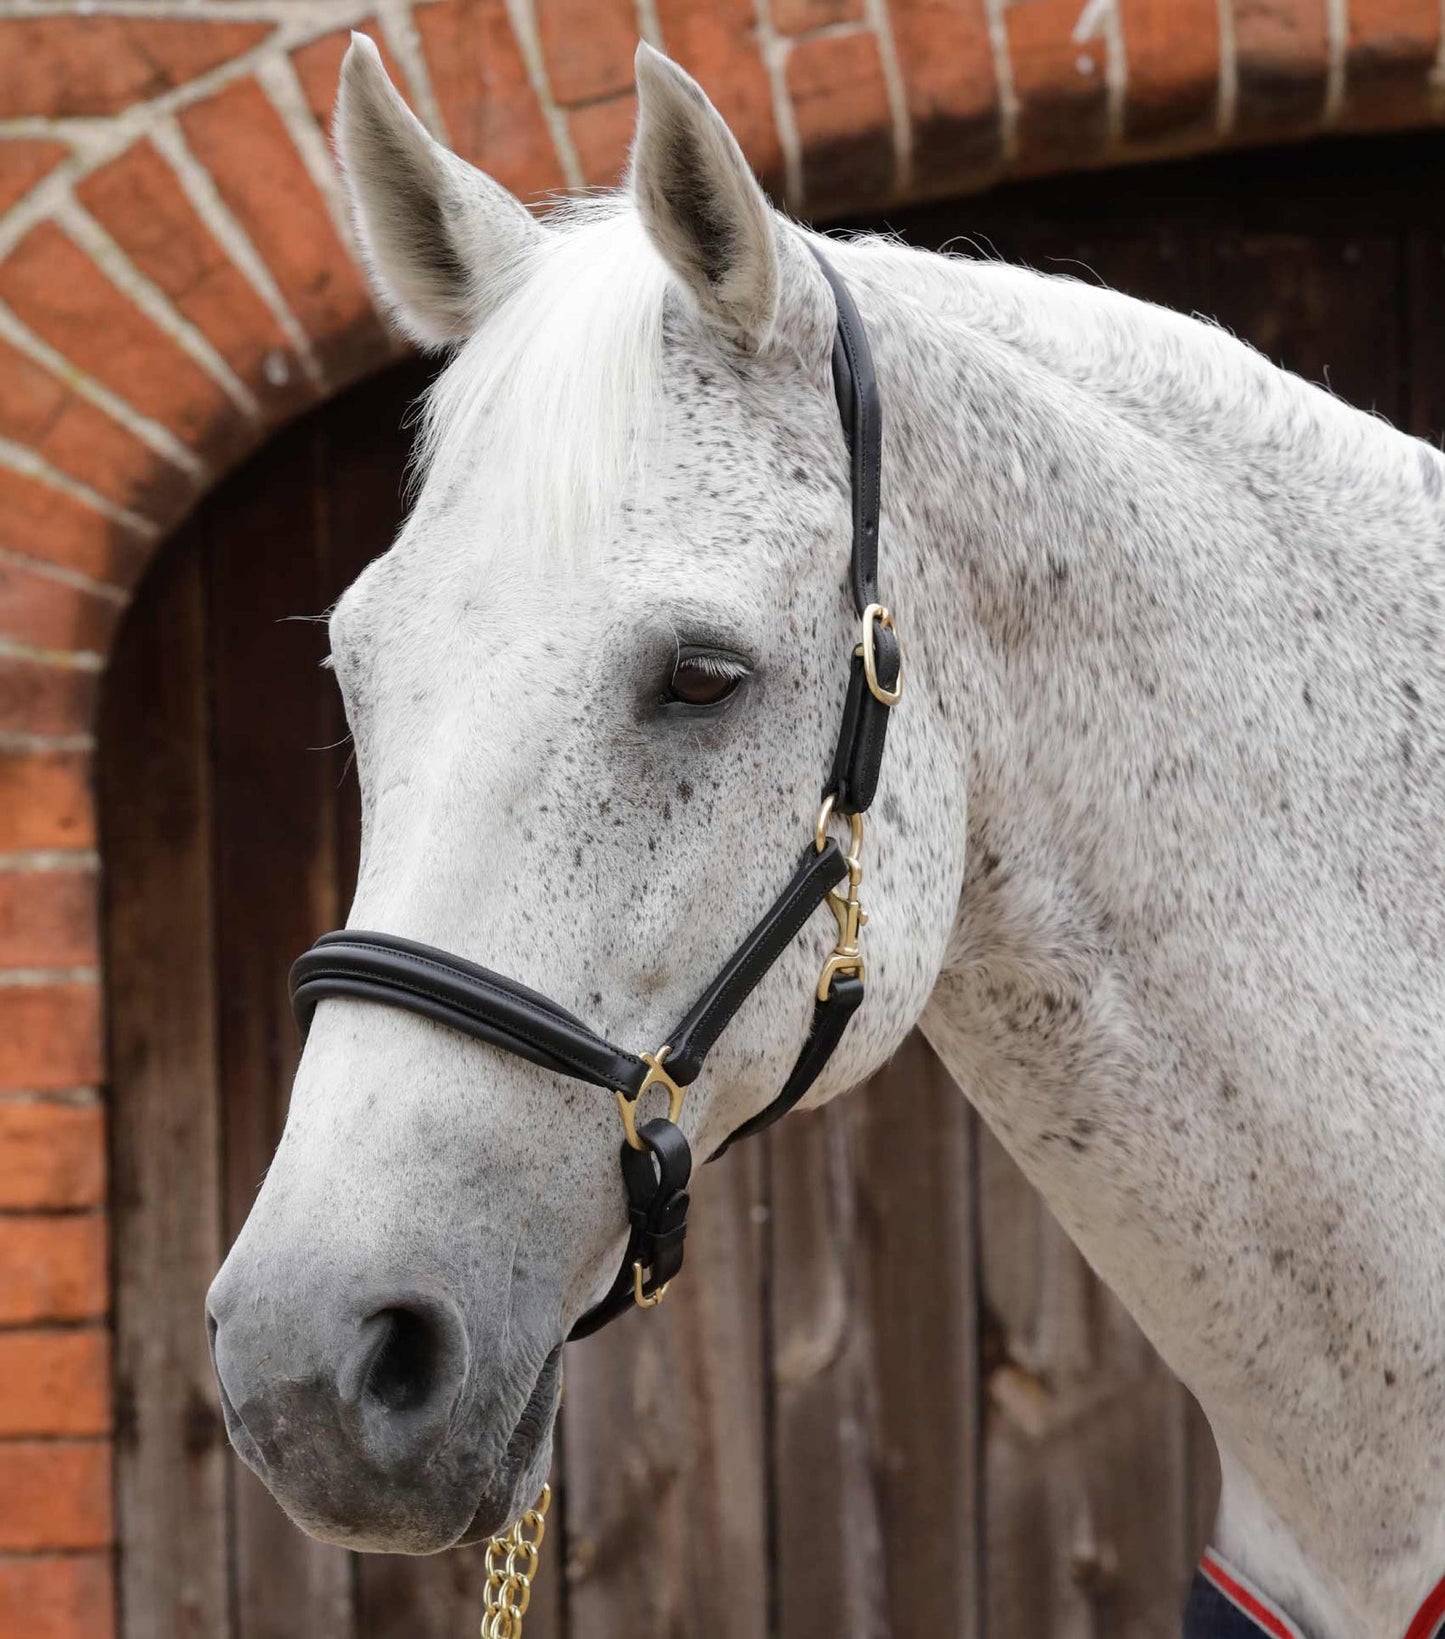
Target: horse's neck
(1177,611)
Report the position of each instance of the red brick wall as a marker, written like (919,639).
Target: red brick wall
(176,279)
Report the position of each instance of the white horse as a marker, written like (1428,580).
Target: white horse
(1157,859)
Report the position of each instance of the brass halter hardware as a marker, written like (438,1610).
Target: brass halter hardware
(847,909)
(640,1295)
(656,1077)
(511,1562)
(868,649)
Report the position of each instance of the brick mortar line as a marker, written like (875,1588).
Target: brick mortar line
(649,24)
(37,860)
(398,28)
(160,439)
(80,660)
(277,77)
(882,21)
(1337,27)
(72,218)
(14,740)
(523,19)
(71,1098)
(97,140)
(1227,108)
(773,48)
(19,978)
(1099,25)
(199,187)
(1008,102)
(29,463)
(65,577)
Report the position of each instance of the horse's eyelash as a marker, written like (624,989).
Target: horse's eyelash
(713,664)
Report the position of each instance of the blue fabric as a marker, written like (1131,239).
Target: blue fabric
(1209,1615)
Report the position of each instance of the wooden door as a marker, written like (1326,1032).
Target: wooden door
(887,1398)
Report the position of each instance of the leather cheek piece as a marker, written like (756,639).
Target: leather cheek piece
(786,918)
(859,757)
(855,386)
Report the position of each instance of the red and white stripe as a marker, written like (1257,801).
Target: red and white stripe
(1429,1620)
(1243,1594)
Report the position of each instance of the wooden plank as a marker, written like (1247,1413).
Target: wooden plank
(876,1360)
(274,893)
(666,1500)
(1085,1466)
(171,1455)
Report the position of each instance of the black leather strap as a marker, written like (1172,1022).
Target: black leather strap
(489,1006)
(656,1178)
(853,780)
(830,1020)
(856,388)
(693,1039)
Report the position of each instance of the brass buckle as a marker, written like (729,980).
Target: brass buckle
(656,1077)
(644,1299)
(875,612)
(846,956)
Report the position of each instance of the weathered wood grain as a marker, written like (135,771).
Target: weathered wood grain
(876,1360)
(1085,1472)
(666,1499)
(172,1460)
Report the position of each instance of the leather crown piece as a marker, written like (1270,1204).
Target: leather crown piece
(490,1007)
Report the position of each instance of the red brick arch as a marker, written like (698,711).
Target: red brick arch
(176,280)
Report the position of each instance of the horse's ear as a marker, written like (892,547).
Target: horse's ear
(700,203)
(441,240)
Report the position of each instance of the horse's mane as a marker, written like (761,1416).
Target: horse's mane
(550,402)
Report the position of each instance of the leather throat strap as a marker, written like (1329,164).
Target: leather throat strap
(490,1007)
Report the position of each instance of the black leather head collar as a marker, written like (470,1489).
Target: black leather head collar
(490,1007)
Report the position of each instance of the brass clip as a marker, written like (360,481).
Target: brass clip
(847,909)
(640,1296)
(656,1077)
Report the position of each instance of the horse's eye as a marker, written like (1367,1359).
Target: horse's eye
(702,678)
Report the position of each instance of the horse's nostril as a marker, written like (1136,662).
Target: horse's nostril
(406,1360)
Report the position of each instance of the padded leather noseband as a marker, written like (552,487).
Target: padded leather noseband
(490,1007)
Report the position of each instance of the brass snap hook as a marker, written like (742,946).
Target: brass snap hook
(847,909)
(640,1295)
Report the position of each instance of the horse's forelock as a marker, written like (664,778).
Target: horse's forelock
(551,401)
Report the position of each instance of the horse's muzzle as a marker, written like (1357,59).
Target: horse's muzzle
(347,1417)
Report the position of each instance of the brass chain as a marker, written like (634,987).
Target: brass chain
(511,1562)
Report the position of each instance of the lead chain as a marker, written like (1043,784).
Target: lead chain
(511,1562)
